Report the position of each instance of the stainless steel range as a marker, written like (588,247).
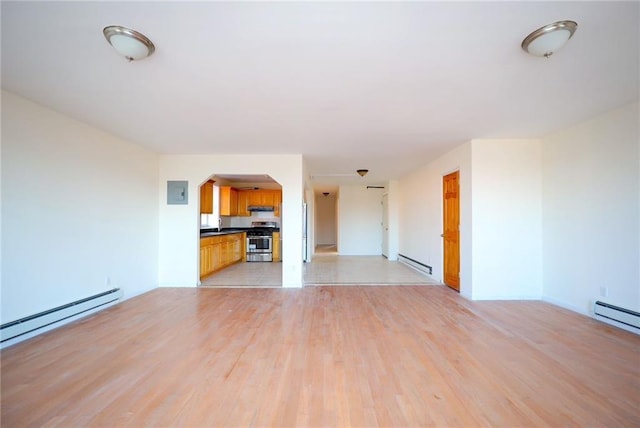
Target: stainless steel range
(260,241)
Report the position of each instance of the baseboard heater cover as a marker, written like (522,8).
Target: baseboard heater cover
(617,316)
(415,264)
(43,319)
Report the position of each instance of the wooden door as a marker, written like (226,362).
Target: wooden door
(451,232)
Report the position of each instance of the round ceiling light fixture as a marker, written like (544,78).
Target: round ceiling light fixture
(362,172)
(129,43)
(545,41)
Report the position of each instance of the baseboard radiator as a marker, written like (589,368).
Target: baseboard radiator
(415,264)
(43,319)
(615,315)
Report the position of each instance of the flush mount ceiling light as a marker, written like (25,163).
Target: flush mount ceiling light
(128,43)
(362,172)
(547,40)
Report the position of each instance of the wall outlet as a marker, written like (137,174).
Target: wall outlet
(604,291)
(107,281)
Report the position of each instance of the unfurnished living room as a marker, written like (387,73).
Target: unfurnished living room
(319,214)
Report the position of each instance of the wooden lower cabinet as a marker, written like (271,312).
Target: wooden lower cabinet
(276,247)
(204,261)
(218,252)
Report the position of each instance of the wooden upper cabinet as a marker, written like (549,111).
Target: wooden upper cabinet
(267,197)
(255,197)
(228,200)
(206,198)
(262,197)
(243,203)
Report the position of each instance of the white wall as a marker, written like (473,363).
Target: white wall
(359,221)
(79,205)
(393,207)
(591,212)
(179,231)
(507,219)
(326,220)
(420,213)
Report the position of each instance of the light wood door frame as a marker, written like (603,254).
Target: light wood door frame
(451,229)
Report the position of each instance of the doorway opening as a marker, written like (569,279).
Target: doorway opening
(239,228)
(326,223)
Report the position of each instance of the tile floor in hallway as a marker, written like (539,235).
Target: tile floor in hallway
(327,268)
(331,269)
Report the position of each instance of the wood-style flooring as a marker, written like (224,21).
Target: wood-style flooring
(324,357)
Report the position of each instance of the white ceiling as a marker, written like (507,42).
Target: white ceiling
(382,86)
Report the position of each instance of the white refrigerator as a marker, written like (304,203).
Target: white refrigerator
(305,228)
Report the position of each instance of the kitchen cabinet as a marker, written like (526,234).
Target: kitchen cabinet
(228,201)
(206,198)
(216,260)
(266,197)
(275,245)
(226,255)
(277,202)
(218,252)
(262,197)
(254,197)
(243,203)
(272,198)
(204,261)
(238,254)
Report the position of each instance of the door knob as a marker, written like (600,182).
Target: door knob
(442,235)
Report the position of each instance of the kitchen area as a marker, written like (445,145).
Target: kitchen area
(240,240)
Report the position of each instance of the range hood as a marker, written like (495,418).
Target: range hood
(260,208)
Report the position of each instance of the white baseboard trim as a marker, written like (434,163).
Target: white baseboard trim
(60,323)
(55,325)
(417,267)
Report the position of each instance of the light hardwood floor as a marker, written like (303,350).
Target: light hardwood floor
(324,356)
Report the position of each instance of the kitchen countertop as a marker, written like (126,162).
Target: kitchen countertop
(228,231)
(205,234)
